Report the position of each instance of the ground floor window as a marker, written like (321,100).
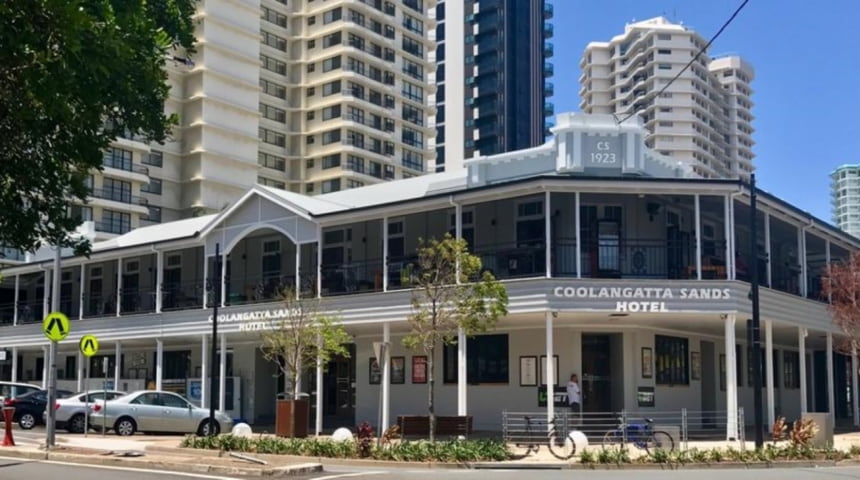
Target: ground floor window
(486,360)
(672,360)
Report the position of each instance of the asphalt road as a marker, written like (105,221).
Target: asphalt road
(347,473)
(19,469)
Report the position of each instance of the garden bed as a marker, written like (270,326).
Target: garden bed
(468,451)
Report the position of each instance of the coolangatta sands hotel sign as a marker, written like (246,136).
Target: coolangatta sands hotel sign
(643,299)
(255,320)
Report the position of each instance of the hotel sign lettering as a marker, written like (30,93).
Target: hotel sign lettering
(642,299)
(254,320)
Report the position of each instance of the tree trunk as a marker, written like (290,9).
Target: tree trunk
(430,384)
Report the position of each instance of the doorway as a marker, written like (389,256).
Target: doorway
(709,387)
(338,391)
(601,363)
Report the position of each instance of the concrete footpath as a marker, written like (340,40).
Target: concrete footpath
(144,453)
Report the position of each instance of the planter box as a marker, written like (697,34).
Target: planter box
(291,418)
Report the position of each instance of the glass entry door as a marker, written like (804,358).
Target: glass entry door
(596,373)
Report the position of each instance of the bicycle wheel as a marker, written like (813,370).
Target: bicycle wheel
(561,448)
(522,449)
(613,438)
(659,440)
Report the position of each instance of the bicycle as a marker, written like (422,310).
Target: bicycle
(562,450)
(642,435)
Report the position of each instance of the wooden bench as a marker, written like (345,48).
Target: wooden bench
(419,425)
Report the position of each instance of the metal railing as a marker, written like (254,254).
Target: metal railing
(353,277)
(637,258)
(683,425)
(182,295)
(118,196)
(137,300)
(512,260)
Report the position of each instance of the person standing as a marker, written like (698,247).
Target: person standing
(574,396)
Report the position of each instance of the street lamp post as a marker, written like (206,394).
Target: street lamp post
(217,300)
(755,324)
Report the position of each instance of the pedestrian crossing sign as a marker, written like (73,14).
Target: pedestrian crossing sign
(89,345)
(56,326)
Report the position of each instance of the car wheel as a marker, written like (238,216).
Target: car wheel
(26,421)
(203,429)
(125,427)
(76,424)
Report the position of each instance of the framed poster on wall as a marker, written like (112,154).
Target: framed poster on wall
(647,362)
(696,365)
(398,370)
(528,371)
(543,369)
(419,369)
(374,372)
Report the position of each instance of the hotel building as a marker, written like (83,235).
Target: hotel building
(631,270)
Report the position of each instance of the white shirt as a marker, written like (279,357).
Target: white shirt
(573,393)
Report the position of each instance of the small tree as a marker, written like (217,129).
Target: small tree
(450,294)
(300,336)
(841,283)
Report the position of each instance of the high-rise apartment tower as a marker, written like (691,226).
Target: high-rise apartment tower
(492,87)
(703,119)
(845,198)
(310,96)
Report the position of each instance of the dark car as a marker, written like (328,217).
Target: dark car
(29,407)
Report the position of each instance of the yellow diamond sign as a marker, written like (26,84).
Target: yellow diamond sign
(56,326)
(89,345)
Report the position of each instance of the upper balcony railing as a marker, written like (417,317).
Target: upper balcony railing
(118,196)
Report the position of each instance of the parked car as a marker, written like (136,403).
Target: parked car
(152,411)
(29,407)
(10,390)
(71,411)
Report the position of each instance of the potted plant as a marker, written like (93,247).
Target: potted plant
(300,337)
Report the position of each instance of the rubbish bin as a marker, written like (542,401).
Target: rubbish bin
(824,422)
(291,416)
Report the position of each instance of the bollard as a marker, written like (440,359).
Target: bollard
(8,413)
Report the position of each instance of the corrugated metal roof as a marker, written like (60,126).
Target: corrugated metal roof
(155,233)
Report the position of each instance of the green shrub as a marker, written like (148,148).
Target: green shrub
(659,456)
(715,455)
(586,456)
(854,450)
(698,456)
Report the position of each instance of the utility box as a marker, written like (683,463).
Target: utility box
(291,417)
(824,422)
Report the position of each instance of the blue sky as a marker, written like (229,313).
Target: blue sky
(806,57)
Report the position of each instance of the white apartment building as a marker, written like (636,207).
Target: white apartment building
(703,119)
(845,198)
(309,96)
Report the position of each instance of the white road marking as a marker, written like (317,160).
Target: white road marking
(345,475)
(124,469)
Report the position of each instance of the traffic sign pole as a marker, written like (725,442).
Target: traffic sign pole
(52,355)
(89,346)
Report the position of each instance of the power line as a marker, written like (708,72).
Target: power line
(696,57)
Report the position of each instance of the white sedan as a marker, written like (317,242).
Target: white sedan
(71,411)
(153,411)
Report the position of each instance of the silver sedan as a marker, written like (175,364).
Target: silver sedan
(152,411)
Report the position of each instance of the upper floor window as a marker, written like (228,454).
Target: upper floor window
(332,15)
